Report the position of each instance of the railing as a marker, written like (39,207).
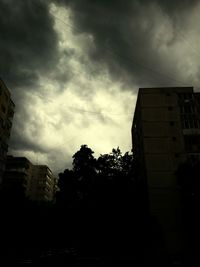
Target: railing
(10,113)
(12,104)
(191,131)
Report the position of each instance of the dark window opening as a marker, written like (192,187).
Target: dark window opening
(6,97)
(187,109)
(3,108)
(1,122)
(182,109)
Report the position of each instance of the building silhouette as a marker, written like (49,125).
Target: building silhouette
(37,182)
(165,132)
(6,115)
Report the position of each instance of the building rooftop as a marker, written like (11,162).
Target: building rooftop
(182,89)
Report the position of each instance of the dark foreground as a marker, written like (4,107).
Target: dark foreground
(85,237)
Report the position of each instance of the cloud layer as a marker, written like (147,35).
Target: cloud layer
(74,67)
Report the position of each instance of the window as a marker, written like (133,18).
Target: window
(1,122)
(170,108)
(172,123)
(187,96)
(11,113)
(189,142)
(174,138)
(6,97)
(187,109)
(190,121)
(3,108)
(185,122)
(182,109)
(196,125)
(49,171)
(193,109)
(47,189)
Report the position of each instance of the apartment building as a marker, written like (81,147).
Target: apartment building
(165,132)
(43,186)
(17,175)
(6,115)
(37,181)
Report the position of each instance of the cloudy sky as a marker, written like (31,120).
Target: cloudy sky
(74,67)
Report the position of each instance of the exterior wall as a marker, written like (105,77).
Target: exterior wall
(158,140)
(43,184)
(18,171)
(190,122)
(6,116)
(38,181)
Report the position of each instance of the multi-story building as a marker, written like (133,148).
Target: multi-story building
(37,181)
(43,186)
(165,132)
(6,115)
(17,175)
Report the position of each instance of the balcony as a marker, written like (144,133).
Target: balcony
(10,113)
(191,131)
(4,146)
(8,124)
(17,170)
(12,105)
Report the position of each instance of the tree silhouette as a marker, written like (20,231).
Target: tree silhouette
(98,182)
(84,168)
(114,177)
(76,184)
(67,195)
(110,164)
(83,161)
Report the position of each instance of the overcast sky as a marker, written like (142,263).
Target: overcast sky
(74,68)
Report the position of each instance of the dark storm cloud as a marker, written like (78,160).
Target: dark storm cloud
(123,33)
(28,47)
(20,139)
(19,143)
(28,42)
(177,5)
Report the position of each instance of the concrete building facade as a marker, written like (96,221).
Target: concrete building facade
(37,181)
(17,174)
(6,115)
(165,132)
(43,186)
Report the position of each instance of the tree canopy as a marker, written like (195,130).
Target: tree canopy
(94,180)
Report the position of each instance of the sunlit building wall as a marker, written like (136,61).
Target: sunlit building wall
(43,185)
(36,182)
